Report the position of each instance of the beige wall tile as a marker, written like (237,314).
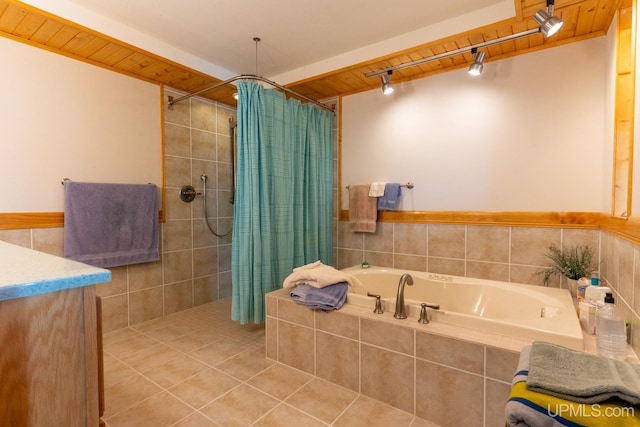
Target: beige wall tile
(49,240)
(117,285)
(348,239)
(296,346)
(446,241)
(177,140)
(271,338)
(488,270)
(625,272)
(577,236)
(224,257)
(146,305)
(379,259)
(337,360)
(525,274)
(636,279)
(451,352)
(223,148)
(146,275)
(380,364)
(177,171)
(497,396)
(501,364)
(455,267)
(177,266)
(295,313)
(115,313)
(180,113)
(224,176)
(393,337)
(410,239)
(224,285)
(205,261)
(381,240)
(198,168)
(348,258)
(488,243)
(271,304)
(202,236)
(17,237)
(409,262)
(203,145)
(337,323)
(175,207)
(447,396)
(203,115)
(222,120)
(176,235)
(178,296)
(529,245)
(205,289)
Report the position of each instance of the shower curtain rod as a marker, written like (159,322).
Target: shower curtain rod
(251,77)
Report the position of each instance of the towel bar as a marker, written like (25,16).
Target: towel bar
(408,185)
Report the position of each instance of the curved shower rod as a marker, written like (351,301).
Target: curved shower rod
(251,77)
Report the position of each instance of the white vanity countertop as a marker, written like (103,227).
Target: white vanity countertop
(25,272)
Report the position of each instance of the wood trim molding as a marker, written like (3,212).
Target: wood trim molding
(22,220)
(11,221)
(590,220)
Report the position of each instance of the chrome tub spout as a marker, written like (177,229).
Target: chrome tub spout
(400,308)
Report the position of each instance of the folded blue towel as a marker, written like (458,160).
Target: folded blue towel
(330,297)
(389,200)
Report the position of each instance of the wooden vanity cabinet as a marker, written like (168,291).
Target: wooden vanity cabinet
(49,360)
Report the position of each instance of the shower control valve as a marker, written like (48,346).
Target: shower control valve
(188,193)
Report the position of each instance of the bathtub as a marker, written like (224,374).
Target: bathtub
(527,312)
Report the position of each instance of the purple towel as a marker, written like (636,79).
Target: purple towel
(330,297)
(107,225)
(389,200)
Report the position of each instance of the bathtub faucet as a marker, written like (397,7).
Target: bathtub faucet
(400,309)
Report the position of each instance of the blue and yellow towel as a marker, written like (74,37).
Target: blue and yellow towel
(528,408)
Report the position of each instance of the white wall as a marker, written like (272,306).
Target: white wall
(528,135)
(62,118)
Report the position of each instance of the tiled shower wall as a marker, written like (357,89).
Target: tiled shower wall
(195,266)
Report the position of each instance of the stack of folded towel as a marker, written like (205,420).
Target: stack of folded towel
(557,386)
(319,286)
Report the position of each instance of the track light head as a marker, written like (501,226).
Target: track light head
(475,69)
(387,87)
(549,24)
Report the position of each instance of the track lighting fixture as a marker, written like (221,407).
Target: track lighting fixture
(387,87)
(475,69)
(549,24)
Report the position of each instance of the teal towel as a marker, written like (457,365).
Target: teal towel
(581,377)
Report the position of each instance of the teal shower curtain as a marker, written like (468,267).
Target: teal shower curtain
(284,195)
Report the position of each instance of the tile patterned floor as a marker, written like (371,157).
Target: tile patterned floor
(197,368)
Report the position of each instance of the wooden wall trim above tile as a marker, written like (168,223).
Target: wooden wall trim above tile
(24,220)
(523,219)
(18,220)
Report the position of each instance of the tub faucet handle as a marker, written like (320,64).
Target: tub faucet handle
(378,309)
(424,318)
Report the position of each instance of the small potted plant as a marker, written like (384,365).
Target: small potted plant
(573,263)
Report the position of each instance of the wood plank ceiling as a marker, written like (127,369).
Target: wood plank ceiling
(582,19)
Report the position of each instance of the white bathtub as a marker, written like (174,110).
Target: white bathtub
(521,311)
